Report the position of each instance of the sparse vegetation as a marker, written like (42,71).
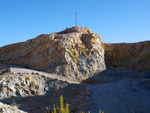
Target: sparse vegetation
(63,109)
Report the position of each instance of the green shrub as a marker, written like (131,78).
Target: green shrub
(60,109)
(63,109)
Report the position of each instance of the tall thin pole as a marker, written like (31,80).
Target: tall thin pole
(75,18)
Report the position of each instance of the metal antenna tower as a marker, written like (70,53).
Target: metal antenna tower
(75,18)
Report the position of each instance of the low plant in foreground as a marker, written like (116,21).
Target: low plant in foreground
(62,108)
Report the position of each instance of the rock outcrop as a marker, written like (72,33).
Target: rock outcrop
(4,108)
(75,52)
(34,92)
(135,56)
(70,56)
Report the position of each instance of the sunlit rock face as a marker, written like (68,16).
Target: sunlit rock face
(134,56)
(76,52)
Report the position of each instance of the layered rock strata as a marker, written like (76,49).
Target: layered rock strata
(135,56)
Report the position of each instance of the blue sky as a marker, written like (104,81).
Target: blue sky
(115,20)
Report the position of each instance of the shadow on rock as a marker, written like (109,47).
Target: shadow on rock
(75,95)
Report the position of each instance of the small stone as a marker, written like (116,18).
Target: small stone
(46,88)
(33,73)
(1,104)
(23,83)
(19,92)
(27,82)
(37,74)
(12,88)
(26,90)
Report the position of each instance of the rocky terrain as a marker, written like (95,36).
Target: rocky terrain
(76,52)
(134,56)
(91,75)
(4,108)
(34,91)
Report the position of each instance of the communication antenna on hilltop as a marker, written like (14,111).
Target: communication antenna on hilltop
(75,18)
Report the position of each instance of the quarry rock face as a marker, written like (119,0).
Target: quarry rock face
(72,57)
(134,56)
(32,92)
(75,52)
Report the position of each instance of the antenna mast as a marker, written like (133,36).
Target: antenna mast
(75,18)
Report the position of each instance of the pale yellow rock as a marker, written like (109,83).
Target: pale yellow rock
(135,56)
(67,53)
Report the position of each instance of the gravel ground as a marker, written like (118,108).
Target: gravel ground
(112,91)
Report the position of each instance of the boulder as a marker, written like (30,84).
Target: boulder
(4,108)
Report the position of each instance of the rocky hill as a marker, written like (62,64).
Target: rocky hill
(76,52)
(91,75)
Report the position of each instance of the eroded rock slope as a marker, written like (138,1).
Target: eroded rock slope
(35,91)
(75,52)
(135,56)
